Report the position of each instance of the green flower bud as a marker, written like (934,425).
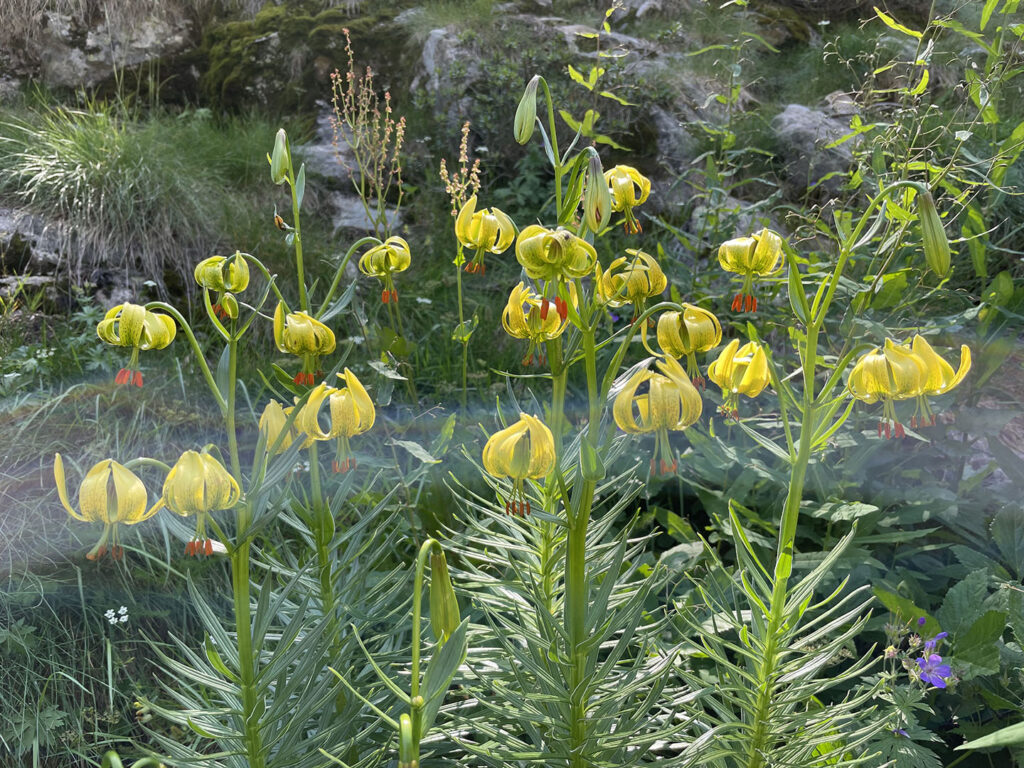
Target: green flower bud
(280,161)
(406,743)
(229,304)
(597,199)
(936,244)
(444,607)
(526,112)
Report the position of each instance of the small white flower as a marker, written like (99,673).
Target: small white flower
(124,618)
(109,614)
(122,610)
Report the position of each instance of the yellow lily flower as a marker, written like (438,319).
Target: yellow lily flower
(272,424)
(525,450)
(940,377)
(527,315)
(754,256)
(629,188)
(670,403)
(693,330)
(226,275)
(351,411)
(384,260)
(557,254)
(110,494)
(298,333)
(893,373)
(739,371)
(197,485)
(132,325)
(488,231)
(630,281)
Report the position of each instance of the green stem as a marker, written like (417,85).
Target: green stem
(416,702)
(297,239)
(459,261)
(200,358)
(341,271)
(557,164)
(324,534)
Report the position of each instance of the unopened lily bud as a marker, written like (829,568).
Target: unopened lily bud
(280,162)
(444,607)
(597,199)
(526,112)
(936,244)
(406,743)
(229,304)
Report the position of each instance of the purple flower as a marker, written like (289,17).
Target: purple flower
(930,645)
(933,671)
(922,621)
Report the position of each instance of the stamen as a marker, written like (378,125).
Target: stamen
(137,380)
(394,297)
(737,302)
(544,307)
(385,296)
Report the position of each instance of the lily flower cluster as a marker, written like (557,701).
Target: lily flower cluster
(904,372)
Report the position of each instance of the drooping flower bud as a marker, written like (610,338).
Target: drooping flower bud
(444,606)
(597,199)
(229,305)
(526,112)
(936,244)
(280,161)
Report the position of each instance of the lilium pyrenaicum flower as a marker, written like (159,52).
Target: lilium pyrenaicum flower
(132,325)
(525,450)
(197,485)
(110,494)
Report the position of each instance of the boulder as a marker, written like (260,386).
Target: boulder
(803,135)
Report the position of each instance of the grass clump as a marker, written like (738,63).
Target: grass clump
(133,193)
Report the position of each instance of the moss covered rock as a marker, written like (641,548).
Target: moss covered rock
(283,57)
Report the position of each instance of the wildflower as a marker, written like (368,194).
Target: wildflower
(671,402)
(933,671)
(629,188)
(227,275)
(352,413)
(382,261)
(281,160)
(525,317)
(300,334)
(197,485)
(597,198)
(272,423)
(630,282)
(739,371)
(891,374)
(525,450)
(940,377)
(933,643)
(554,255)
(891,652)
(754,256)
(110,493)
(488,231)
(132,325)
(526,112)
(688,332)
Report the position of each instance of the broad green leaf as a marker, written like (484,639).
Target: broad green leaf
(905,610)
(977,652)
(1008,534)
(964,602)
(1004,737)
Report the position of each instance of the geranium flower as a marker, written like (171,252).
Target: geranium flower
(132,325)
(933,671)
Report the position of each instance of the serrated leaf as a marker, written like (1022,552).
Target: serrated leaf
(1008,534)
(964,602)
(978,647)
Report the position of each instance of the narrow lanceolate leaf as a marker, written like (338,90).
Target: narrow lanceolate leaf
(893,24)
